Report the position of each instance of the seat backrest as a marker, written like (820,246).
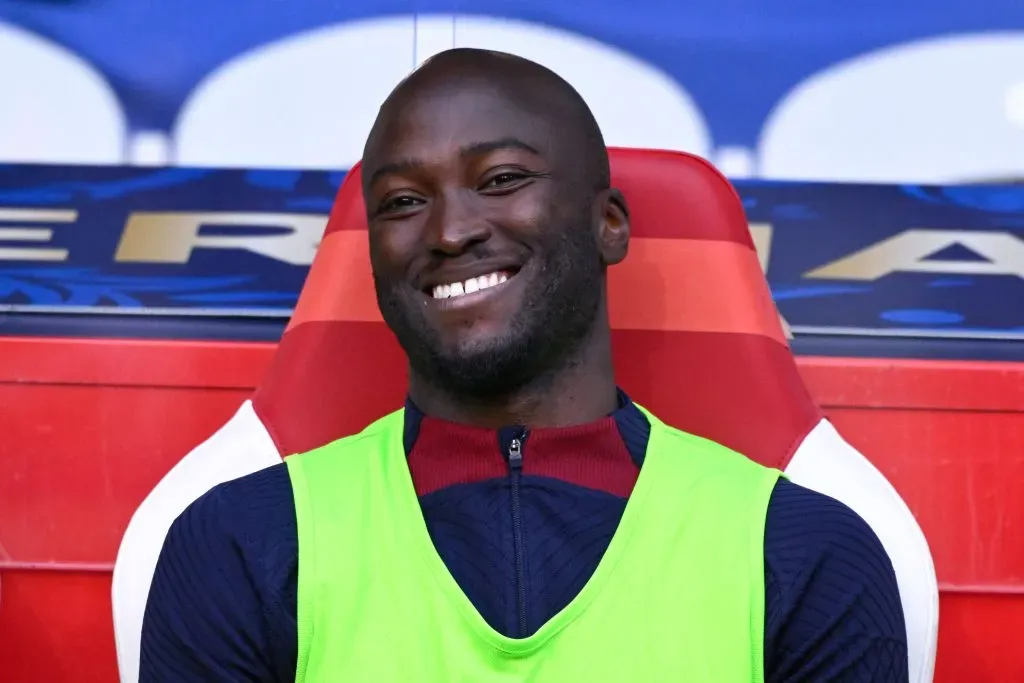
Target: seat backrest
(695,333)
(696,339)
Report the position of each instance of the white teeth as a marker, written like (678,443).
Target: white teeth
(473,284)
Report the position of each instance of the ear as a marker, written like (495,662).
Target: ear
(613,230)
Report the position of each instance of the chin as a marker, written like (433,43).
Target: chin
(478,334)
(477,346)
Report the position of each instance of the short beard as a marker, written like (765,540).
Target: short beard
(559,310)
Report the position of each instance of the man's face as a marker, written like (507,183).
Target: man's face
(482,240)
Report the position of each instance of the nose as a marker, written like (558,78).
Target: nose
(454,226)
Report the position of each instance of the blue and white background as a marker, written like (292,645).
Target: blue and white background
(872,90)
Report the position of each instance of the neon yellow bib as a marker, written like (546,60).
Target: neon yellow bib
(678,596)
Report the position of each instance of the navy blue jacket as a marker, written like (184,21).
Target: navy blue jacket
(521,538)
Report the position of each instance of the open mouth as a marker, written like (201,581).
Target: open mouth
(453,290)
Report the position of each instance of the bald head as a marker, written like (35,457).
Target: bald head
(520,86)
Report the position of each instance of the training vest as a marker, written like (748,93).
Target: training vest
(677,596)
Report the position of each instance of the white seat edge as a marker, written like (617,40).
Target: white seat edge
(826,463)
(242,446)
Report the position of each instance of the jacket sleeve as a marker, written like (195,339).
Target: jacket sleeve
(832,605)
(222,603)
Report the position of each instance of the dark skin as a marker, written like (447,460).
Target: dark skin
(474,167)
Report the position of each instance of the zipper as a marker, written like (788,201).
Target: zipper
(515,465)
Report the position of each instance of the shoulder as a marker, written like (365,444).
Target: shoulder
(247,522)
(255,512)
(802,525)
(223,593)
(832,604)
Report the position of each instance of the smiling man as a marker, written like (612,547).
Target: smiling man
(521,519)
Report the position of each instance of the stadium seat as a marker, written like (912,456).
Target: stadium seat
(696,339)
(56,108)
(941,110)
(294,104)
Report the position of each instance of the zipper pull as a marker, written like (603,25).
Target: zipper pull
(515,454)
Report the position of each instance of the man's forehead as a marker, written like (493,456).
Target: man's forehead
(450,122)
(468,97)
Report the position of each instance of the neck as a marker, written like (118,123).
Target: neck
(582,390)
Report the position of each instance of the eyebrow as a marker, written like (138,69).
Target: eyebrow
(474,149)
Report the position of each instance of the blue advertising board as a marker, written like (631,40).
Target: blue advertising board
(856,261)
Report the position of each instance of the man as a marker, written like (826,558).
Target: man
(521,519)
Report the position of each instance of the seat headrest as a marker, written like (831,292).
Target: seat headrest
(696,336)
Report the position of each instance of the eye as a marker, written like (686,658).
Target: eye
(398,204)
(505,181)
(502,179)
